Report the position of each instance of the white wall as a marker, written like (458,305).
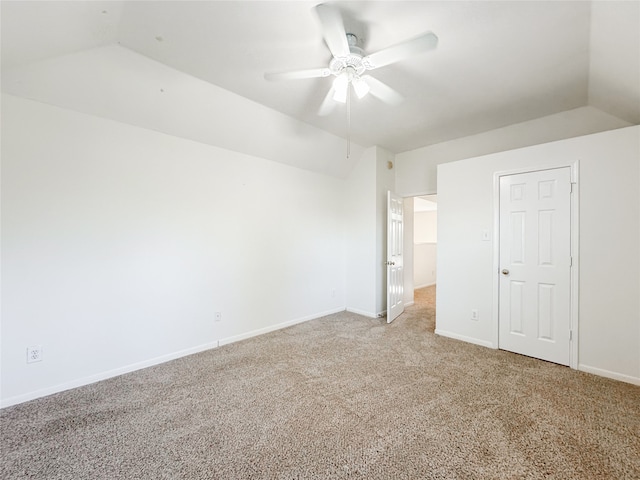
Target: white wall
(609,252)
(426,227)
(614,55)
(366,206)
(425,266)
(425,248)
(361,236)
(416,169)
(120,243)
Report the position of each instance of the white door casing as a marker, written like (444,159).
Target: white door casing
(535,264)
(395,259)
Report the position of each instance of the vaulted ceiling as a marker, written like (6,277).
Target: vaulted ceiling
(496,63)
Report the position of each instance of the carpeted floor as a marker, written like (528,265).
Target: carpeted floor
(338,397)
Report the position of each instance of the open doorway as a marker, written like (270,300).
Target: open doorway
(425,241)
(424,253)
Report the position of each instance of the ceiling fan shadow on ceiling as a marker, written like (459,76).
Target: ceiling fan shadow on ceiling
(350,63)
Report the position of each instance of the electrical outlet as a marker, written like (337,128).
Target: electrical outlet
(333,293)
(474,314)
(34,353)
(218,316)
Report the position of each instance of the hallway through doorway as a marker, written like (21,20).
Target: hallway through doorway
(424,306)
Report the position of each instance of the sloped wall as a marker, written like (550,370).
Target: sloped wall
(416,169)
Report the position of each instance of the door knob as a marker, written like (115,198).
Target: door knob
(505,271)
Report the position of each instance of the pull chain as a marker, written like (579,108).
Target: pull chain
(348,120)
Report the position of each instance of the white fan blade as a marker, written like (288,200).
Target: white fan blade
(400,51)
(333,30)
(298,74)
(383,91)
(328,104)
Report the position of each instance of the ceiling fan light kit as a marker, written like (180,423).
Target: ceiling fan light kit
(340,88)
(347,70)
(360,87)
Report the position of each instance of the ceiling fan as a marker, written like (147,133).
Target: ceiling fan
(349,62)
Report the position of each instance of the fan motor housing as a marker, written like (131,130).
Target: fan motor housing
(352,61)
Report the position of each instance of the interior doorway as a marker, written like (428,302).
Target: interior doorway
(420,249)
(425,240)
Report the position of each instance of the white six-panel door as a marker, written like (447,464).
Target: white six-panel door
(395,260)
(535,264)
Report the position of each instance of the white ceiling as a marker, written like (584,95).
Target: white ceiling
(497,63)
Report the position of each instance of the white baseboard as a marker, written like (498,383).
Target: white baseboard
(279,326)
(609,374)
(362,312)
(464,338)
(154,361)
(7,402)
(423,286)
(408,304)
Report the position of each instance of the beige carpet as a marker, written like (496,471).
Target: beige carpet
(339,397)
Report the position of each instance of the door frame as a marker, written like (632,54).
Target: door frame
(575,250)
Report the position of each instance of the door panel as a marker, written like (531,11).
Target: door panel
(515,310)
(545,312)
(517,238)
(535,264)
(395,265)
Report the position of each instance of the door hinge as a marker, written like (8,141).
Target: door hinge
(571,261)
(570,335)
